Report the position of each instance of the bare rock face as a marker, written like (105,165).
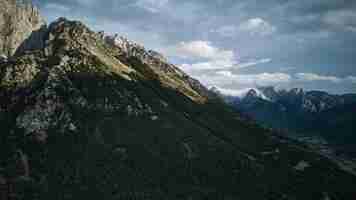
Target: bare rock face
(21,27)
(3,58)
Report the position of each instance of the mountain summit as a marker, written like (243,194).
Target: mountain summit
(92,117)
(22,27)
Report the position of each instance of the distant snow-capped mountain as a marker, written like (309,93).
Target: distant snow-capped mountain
(314,113)
(240,94)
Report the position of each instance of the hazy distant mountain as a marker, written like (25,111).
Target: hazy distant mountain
(303,112)
(94,116)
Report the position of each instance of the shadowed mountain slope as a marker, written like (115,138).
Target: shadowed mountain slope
(309,113)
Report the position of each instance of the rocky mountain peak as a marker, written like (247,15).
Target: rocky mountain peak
(296,91)
(215,90)
(22,27)
(167,73)
(252,93)
(3,58)
(296,98)
(131,48)
(255,93)
(68,43)
(123,43)
(270,92)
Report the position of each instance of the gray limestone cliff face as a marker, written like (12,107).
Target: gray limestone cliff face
(21,27)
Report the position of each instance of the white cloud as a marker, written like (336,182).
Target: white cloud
(257,26)
(153,6)
(209,56)
(267,79)
(230,83)
(202,49)
(222,78)
(317,77)
(216,58)
(308,77)
(209,65)
(253,26)
(234,92)
(253,63)
(226,73)
(264,79)
(345,19)
(221,64)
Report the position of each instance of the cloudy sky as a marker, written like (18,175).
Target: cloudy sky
(235,44)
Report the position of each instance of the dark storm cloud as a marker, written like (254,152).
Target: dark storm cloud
(311,36)
(289,16)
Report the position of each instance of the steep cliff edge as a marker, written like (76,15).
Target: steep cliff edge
(21,27)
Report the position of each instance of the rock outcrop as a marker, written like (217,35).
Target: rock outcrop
(21,27)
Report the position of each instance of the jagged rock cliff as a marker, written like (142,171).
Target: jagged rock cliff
(84,118)
(21,27)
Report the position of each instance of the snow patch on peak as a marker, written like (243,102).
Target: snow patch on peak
(242,93)
(255,93)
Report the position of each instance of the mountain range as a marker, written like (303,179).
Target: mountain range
(86,115)
(299,112)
